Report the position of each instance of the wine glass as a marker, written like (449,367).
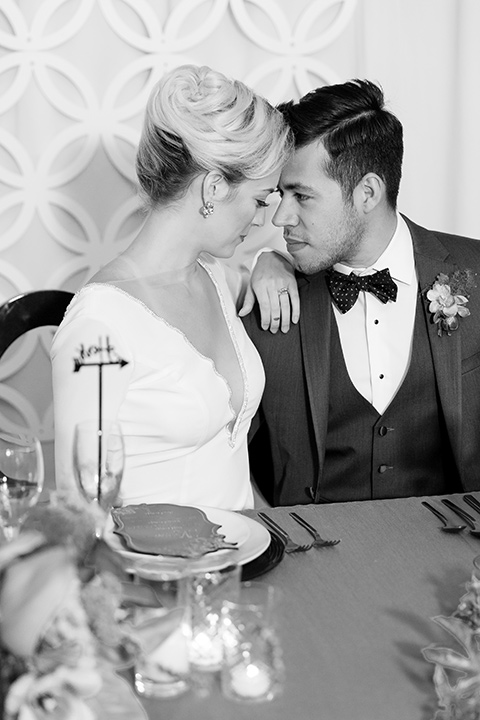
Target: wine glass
(98,460)
(21,479)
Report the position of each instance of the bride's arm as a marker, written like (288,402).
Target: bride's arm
(274,286)
(272,271)
(76,391)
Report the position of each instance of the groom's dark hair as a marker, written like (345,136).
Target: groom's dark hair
(358,133)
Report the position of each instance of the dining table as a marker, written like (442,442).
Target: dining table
(353,618)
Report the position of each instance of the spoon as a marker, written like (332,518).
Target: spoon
(466,517)
(445,527)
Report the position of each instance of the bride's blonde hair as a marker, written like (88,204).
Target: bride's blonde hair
(198,120)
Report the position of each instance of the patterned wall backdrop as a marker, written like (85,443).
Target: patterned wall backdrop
(74,79)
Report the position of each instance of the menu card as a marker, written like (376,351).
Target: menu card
(167,529)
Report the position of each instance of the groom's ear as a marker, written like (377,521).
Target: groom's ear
(215,187)
(369,192)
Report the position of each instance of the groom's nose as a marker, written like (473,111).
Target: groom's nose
(284,216)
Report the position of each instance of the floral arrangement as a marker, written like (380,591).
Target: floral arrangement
(457,674)
(65,620)
(448,297)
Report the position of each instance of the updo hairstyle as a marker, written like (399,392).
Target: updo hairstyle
(197,120)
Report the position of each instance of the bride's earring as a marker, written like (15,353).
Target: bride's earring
(207,209)
(208,190)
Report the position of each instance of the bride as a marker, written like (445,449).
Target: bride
(210,155)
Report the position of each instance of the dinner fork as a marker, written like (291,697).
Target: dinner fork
(466,517)
(472,501)
(446,527)
(318,541)
(290,545)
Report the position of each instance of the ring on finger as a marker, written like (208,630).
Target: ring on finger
(282,291)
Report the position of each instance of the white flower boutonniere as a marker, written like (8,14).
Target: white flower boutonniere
(448,297)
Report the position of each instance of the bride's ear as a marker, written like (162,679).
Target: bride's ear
(215,188)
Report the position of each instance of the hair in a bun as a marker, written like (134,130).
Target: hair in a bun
(198,120)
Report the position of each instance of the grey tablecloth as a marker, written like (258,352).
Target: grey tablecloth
(354,618)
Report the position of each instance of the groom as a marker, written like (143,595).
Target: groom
(375,393)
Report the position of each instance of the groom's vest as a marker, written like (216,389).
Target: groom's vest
(405,451)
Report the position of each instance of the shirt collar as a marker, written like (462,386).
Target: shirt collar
(397,256)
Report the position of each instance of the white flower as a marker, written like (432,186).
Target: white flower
(446,305)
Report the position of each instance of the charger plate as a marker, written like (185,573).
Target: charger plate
(164,567)
(266,561)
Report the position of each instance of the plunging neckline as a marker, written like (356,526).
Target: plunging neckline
(232,426)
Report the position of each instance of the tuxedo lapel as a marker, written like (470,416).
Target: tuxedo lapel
(431,258)
(315,324)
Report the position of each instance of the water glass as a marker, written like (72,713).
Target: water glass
(206,593)
(21,479)
(253,668)
(162,667)
(98,461)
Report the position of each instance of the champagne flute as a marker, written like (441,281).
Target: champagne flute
(21,479)
(98,460)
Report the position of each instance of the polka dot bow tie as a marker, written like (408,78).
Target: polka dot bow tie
(344,289)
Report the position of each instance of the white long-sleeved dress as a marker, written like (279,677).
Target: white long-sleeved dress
(183,443)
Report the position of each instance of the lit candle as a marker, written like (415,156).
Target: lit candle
(251,680)
(171,655)
(206,651)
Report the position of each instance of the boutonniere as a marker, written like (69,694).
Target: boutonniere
(448,297)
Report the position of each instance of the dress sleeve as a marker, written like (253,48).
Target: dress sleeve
(76,387)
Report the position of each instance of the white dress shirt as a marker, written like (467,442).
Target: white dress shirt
(376,338)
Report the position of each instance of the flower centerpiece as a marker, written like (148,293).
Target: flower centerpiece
(65,623)
(448,297)
(457,673)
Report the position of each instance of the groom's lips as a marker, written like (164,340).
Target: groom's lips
(293,242)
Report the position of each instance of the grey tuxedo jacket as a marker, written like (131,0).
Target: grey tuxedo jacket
(294,408)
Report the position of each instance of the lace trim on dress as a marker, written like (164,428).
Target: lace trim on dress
(232,433)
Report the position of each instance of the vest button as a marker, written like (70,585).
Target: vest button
(382,468)
(382,431)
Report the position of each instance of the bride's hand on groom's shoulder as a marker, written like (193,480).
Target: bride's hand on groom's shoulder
(273,285)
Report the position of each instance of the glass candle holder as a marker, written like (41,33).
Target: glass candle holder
(162,667)
(253,668)
(206,593)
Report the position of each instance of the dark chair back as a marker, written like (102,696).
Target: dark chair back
(29,311)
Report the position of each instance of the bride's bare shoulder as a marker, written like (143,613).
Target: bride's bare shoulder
(116,270)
